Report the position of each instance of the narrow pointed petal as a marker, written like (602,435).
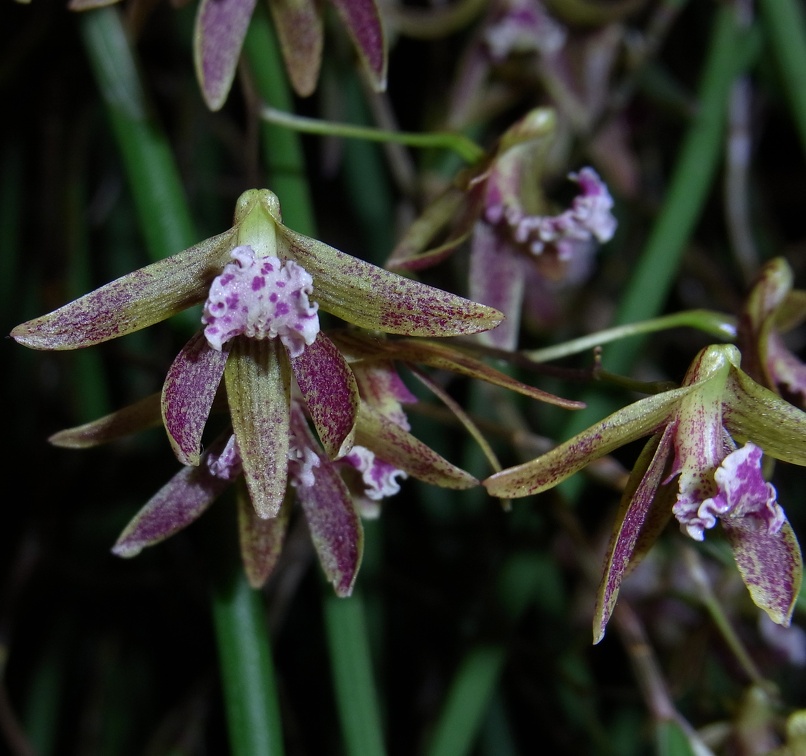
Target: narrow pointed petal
(217,41)
(635,505)
(188,394)
(444,357)
(393,444)
(299,29)
(754,413)
(771,565)
(331,394)
(377,299)
(363,22)
(335,527)
(136,417)
(178,503)
(629,424)
(261,540)
(132,302)
(497,279)
(258,381)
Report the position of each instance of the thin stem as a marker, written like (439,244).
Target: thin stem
(715,323)
(460,144)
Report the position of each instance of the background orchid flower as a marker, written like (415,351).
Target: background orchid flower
(772,308)
(520,247)
(693,468)
(221,27)
(263,284)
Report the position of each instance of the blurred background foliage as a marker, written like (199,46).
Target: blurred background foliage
(477,619)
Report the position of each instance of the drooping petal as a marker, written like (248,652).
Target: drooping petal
(377,299)
(261,541)
(633,510)
(188,394)
(363,22)
(218,37)
(628,424)
(299,30)
(497,279)
(442,357)
(771,565)
(333,521)
(383,389)
(134,301)
(136,417)
(330,392)
(258,381)
(181,501)
(754,413)
(390,442)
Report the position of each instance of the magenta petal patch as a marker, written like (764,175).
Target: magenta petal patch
(187,396)
(220,31)
(177,504)
(363,23)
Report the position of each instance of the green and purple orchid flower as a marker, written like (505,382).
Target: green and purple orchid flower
(221,27)
(521,251)
(262,285)
(702,465)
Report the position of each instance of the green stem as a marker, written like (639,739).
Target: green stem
(715,323)
(245,663)
(351,665)
(460,144)
(785,23)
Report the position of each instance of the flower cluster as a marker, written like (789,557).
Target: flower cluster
(701,465)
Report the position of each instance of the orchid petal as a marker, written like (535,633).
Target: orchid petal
(299,30)
(392,443)
(181,501)
(497,279)
(218,37)
(443,357)
(335,526)
(771,565)
(188,394)
(754,413)
(377,299)
(363,22)
(132,302)
(628,424)
(136,417)
(258,381)
(261,540)
(331,394)
(635,506)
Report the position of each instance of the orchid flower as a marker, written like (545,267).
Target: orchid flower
(263,285)
(772,308)
(520,249)
(702,465)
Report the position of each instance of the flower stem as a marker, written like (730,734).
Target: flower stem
(458,143)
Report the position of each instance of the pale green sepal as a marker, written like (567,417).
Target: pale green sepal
(258,382)
(771,565)
(628,424)
(124,422)
(132,302)
(300,32)
(391,443)
(379,300)
(754,413)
